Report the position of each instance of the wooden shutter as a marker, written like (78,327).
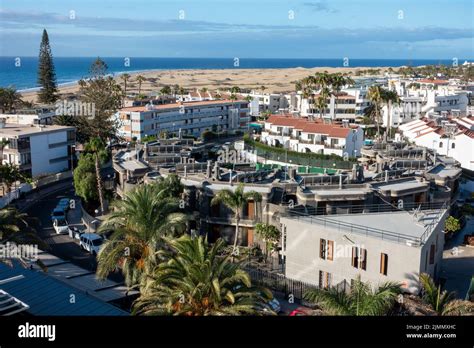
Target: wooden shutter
(330,250)
(383,263)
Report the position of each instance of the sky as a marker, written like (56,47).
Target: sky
(413,29)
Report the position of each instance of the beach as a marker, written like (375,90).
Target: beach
(274,80)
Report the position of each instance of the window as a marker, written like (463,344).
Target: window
(432,253)
(383,263)
(440,144)
(322,249)
(453,146)
(324,279)
(363,259)
(326,249)
(359,258)
(355,257)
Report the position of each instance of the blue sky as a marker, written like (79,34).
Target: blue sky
(244,28)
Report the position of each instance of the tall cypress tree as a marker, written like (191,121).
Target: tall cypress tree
(46,73)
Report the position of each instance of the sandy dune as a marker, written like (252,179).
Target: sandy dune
(274,80)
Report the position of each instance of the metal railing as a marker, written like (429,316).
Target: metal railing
(364,230)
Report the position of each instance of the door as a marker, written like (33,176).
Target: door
(249,237)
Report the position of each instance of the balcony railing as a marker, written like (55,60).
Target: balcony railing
(369,231)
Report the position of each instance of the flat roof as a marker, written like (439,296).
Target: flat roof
(19,130)
(401,186)
(399,226)
(178,105)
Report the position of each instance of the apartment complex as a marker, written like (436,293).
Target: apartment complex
(319,136)
(452,137)
(425,97)
(378,247)
(349,104)
(183,118)
(38,150)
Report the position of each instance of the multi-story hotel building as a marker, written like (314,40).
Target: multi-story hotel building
(188,118)
(37,150)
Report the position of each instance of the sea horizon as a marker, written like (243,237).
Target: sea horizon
(22,74)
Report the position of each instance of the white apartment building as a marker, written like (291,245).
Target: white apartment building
(349,104)
(38,150)
(31,116)
(302,135)
(453,137)
(423,97)
(191,118)
(395,246)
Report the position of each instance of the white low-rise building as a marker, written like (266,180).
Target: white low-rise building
(395,246)
(303,135)
(424,97)
(190,118)
(453,137)
(38,150)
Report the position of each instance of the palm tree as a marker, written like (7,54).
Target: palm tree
(9,98)
(374,94)
(389,98)
(139,222)
(16,228)
(236,201)
(97,147)
(166,90)
(10,174)
(443,302)
(360,300)
(263,88)
(140,79)
(196,280)
(125,77)
(322,101)
(182,91)
(338,81)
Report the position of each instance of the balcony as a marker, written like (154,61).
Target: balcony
(231,221)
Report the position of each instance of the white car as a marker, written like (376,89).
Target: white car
(91,242)
(61,226)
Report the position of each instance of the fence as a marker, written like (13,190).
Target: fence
(279,282)
(26,188)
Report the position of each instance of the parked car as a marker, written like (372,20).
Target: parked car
(64,203)
(91,242)
(75,233)
(61,226)
(302,311)
(58,214)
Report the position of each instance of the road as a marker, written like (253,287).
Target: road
(61,245)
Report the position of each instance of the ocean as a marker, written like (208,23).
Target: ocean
(21,73)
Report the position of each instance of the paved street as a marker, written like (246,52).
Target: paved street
(458,262)
(61,245)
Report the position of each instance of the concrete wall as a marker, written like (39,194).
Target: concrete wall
(303,262)
(41,154)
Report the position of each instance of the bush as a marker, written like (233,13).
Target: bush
(281,150)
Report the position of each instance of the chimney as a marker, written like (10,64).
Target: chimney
(386,175)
